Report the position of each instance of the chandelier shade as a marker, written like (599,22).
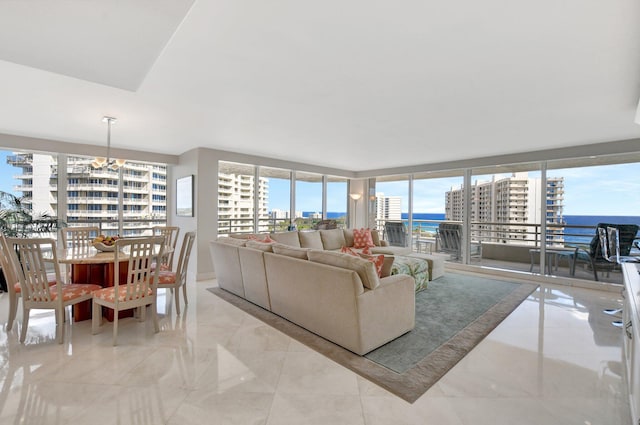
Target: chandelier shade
(100,161)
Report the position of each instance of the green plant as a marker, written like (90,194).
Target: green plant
(17,220)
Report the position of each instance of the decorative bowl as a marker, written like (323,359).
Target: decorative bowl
(104,248)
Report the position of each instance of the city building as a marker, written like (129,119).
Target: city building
(92,194)
(511,207)
(237,205)
(388,208)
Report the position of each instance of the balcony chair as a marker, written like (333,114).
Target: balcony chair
(175,279)
(326,225)
(450,239)
(37,292)
(170,234)
(595,257)
(138,290)
(396,233)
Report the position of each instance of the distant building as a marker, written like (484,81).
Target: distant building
(515,199)
(93,194)
(236,202)
(388,208)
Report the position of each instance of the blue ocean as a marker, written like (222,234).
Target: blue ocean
(579,235)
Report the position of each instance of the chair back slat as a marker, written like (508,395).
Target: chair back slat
(79,238)
(31,268)
(138,254)
(170,234)
(185,254)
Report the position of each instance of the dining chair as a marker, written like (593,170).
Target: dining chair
(170,234)
(10,277)
(37,291)
(137,289)
(78,237)
(175,279)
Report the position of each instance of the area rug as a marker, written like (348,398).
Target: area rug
(453,315)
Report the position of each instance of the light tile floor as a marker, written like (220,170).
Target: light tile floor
(555,360)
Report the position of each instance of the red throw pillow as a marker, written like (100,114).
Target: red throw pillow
(362,238)
(347,250)
(267,239)
(366,250)
(377,260)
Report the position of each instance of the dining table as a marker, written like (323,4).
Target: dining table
(86,264)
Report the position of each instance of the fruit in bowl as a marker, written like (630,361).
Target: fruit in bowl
(105,243)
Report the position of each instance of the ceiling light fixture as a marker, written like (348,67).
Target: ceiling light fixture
(100,161)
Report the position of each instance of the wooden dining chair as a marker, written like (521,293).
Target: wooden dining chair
(10,277)
(78,237)
(170,235)
(30,266)
(137,289)
(175,279)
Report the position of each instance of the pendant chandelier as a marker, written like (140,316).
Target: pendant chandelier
(99,161)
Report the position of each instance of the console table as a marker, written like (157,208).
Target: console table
(631,329)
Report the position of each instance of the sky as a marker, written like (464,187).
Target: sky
(600,190)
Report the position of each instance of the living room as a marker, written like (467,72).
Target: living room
(359,91)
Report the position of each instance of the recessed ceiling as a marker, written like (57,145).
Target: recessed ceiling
(353,85)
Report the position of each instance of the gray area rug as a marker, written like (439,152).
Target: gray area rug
(453,315)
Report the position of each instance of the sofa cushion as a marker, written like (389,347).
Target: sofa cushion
(232,241)
(310,239)
(262,246)
(362,238)
(387,265)
(261,238)
(290,251)
(348,237)
(332,239)
(287,238)
(365,268)
(376,237)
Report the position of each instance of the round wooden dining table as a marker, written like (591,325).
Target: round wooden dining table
(88,265)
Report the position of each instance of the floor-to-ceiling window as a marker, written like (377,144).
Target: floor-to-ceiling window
(308,199)
(276,216)
(392,200)
(430,206)
(337,199)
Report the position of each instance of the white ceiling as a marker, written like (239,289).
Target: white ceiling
(354,85)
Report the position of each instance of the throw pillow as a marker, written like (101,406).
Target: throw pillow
(267,239)
(260,245)
(377,260)
(290,251)
(362,238)
(347,250)
(366,250)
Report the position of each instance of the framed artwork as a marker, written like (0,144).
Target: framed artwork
(184,196)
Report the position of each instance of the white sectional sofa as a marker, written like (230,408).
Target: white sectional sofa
(334,295)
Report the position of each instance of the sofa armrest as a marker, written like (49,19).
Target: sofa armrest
(386,312)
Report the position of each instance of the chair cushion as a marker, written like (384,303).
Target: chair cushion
(109,294)
(72,291)
(18,289)
(166,278)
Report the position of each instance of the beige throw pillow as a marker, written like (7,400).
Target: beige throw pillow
(290,251)
(232,241)
(287,238)
(262,246)
(365,268)
(332,239)
(310,239)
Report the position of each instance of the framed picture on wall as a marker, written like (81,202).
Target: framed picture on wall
(184,196)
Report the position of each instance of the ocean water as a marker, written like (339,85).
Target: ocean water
(572,236)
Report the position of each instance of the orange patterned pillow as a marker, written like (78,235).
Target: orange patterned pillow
(377,260)
(366,250)
(362,238)
(347,250)
(267,239)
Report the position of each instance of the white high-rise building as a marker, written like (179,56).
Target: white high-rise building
(507,203)
(93,194)
(388,208)
(236,202)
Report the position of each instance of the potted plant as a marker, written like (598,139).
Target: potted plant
(17,220)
